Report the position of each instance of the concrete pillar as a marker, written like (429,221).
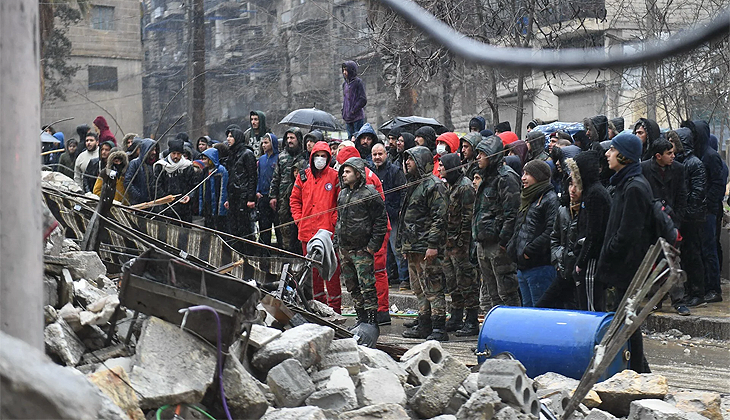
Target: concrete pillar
(21,246)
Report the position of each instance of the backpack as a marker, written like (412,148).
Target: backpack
(663,224)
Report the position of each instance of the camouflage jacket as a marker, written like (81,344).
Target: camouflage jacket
(459,213)
(282,182)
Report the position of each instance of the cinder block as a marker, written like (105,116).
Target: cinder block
(290,383)
(508,379)
(421,361)
(439,387)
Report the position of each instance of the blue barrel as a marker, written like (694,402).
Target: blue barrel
(548,340)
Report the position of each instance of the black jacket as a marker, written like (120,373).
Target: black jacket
(563,241)
(695,178)
(392,176)
(668,185)
(242,173)
(713,165)
(532,232)
(181,181)
(91,173)
(653,133)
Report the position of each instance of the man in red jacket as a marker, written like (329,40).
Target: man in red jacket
(313,205)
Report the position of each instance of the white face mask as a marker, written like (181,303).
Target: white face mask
(441,149)
(320,162)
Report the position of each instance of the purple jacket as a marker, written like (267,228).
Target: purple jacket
(353,92)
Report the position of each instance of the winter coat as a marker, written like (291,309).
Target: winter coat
(213,192)
(461,203)
(105,134)
(409,142)
(120,193)
(537,146)
(471,165)
(629,232)
(668,185)
(242,174)
(653,133)
(288,166)
(429,135)
(315,195)
(267,165)
(713,165)
(361,218)
(532,232)
(253,138)
(67,160)
(82,161)
(354,97)
(695,178)
(423,212)
(142,188)
(181,181)
(365,152)
(392,177)
(598,127)
(563,241)
(92,173)
(498,198)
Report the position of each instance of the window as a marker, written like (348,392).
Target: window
(102,78)
(102,18)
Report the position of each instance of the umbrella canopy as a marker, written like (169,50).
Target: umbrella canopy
(47,138)
(311,119)
(411,124)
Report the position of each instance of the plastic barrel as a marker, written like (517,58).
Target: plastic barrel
(548,340)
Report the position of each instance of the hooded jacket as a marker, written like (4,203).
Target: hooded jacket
(452,141)
(361,218)
(507,137)
(354,97)
(460,204)
(365,152)
(242,174)
(289,163)
(213,193)
(519,149)
(471,164)
(423,212)
(713,165)
(668,185)
(94,167)
(267,165)
(105,134)
(371,178)
(253,138)
(142,188)
(497,199)
(429,135)
(695,177)
(652,134)
(537,146)
(175,179)
(409,142)
(315,193)
(120,193)
(598,127)
(478,122)
(67,160)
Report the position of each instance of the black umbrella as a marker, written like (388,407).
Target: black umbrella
(311,119)
(411,124)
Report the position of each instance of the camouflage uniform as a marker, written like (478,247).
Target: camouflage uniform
(471,168)
(495,210)
(290,163)
(422,227)
(360,226)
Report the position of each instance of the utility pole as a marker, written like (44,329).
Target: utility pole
(21,244)
(196,71)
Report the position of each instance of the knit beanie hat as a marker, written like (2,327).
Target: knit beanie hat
(538,169)
(628,145)
(503,126)
(175,145)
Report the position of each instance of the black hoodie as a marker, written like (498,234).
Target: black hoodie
(242,173)
(653,133)
(598,127)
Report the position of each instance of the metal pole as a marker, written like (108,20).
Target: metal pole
(21,245)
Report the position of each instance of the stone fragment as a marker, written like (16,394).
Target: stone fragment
(85,265)
(445,417)
(340,378)
(596,414)
(102,355)
(50,315)
(653,409)
(556,401)
(333,399)
(618,391)
(100,311)
(50,290)
(262,335)
(342,353)
(61,340)
(69,245)
(378,359)
(290,383)
(125,363)
(700,402)
(113,382)
(66,292)
(243,395)
(438,387)
(479,406)
(388,411)
(320,377)
(86,292)
(171,366)
(306,343)
(70,314)
(59,181)
(298,413)
(377,386)
(421,360)
(507,377)
(547,383)
(508,413)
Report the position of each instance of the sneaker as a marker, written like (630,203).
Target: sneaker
(383,318)
(695,301)
(712,297)
(404,286)
(682,310)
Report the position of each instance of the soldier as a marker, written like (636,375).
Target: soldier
(461,277)
(421,238)
(291,162)
(495,210)
(359,233)
(469,153)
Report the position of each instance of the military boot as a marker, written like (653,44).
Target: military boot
(422,330)
(439,329)
(411,324)
(361,317)
(367,332)
(471,326)
(456,321)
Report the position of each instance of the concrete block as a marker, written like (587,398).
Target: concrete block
(596,414)
(170,365)
(86,292)
(439,386)
(298,413)
(306,343)
(66,289)
(653,409)
(333,399)
(243,395)
(378,359)
(556,401)
(480,405)
(113,382)
(261,335)
(50,290)
(342,353)
(700,402)
(421,360)
(320,377)
(386,411)
(547,383)
(340,378)
(508,379)
(290,383)
(61,340)
(85,265)
(621,389)
(377,386)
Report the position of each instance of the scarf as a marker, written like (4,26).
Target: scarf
(529,194)
(171,167)
(630,170)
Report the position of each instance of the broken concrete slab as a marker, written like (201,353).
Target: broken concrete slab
(438,387)
(556,401)
(653,409)
(378,359)
(262,335)
(61,341)
(621,389)
(320,377)
(298,413)
(305,343)
(70,314)
(114,383)
(480,405)
(340,378)
(50,290)
(421,360)
(100,311)
(125,363)
(507,377)
(243,395)
(333,399)
(171,366)
(551,381)
(700,402)
(290,383)
(342,353)
(66,289)
(87,293)
(597,414)
(85,265)
(387,411)
(102,355)
(377,386)
(50,314)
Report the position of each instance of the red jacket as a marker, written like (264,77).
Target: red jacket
(317,195)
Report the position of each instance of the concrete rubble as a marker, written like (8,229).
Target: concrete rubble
(620,390)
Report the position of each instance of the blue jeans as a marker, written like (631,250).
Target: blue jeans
(709,255)
(400,262)
(353,128)
(534,282)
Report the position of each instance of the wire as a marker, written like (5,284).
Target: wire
(550,59)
